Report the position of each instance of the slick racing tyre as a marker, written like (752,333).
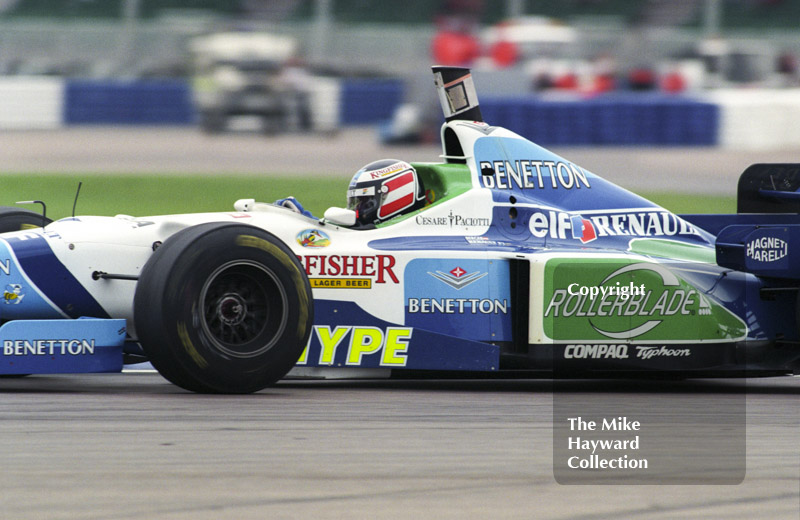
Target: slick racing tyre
(17,219)
(223,308)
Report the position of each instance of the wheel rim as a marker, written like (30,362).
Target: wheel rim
(244,309)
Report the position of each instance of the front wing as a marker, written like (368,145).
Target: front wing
(61,346)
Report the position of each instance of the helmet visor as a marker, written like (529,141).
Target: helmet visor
(364,202)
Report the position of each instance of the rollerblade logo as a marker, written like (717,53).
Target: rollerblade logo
(458,278)
(667,308)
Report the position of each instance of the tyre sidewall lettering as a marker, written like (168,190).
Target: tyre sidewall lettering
(303,323)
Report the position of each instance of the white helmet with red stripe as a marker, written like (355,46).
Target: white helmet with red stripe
(384,189)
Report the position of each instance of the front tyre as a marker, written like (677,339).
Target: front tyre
(223,308)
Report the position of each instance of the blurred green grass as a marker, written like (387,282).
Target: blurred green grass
(152,194)
(692,203)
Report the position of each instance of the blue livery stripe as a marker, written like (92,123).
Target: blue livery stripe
(52,278)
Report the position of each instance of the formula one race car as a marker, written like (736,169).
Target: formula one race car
(512,259)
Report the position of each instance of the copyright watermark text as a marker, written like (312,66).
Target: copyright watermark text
(624,291)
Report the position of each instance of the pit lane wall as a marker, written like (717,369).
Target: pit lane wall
(615,119)
(27,103)
(738,119)
(49,103)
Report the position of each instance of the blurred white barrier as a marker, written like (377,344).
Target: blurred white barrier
(324,104)
(28,102)
(758,119)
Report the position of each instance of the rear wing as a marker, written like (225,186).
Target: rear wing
(763,238)
(769,188)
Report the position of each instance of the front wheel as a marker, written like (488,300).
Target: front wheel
(223,308)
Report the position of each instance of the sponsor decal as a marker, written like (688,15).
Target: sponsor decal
(647,352)
(767,249)
(344,333)
(378,268)
(48,347)
(452,220)
(582,229)
(313,238)
(601,351)
(607,351)
(458,278)
(480,126)
(668,308)
(485,241)
(651,223)
(340,283)
(388,170)
(5,267)
(361,192)
(389,346)
(470,298)
(13,294)
(430,196)
(532,174)
(456,306)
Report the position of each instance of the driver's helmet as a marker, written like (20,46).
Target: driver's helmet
(384,189)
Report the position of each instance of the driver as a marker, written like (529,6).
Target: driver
(384,189)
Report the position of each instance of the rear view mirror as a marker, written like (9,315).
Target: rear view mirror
(340,216)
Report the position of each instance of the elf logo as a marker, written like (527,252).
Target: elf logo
(556,224)
(647,223)
(583,229)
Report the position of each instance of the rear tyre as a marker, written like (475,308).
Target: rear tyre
(223,308)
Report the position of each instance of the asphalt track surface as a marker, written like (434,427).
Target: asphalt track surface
(132,446)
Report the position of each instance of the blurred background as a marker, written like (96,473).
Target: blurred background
(719,73)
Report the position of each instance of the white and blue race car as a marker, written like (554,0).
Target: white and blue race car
(520,262)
